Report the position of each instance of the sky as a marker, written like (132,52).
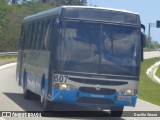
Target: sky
(149,11)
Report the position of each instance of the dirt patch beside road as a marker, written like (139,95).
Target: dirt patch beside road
(6,61)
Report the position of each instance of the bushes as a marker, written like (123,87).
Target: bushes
(11,17)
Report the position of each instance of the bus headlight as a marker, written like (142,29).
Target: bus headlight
(128,92)
(62,86)
(66,87)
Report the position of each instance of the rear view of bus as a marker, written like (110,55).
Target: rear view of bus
(95,60)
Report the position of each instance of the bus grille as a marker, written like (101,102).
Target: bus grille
(102,91)
(95,100)
(100,82)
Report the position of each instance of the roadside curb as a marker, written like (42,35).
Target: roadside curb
(151,72)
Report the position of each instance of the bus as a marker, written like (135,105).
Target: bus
(82,56)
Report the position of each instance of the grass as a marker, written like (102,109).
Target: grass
(158,72)
(148,90)
(7,57)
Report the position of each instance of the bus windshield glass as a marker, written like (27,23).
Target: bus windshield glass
(98,48)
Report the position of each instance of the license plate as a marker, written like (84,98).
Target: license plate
(125,98)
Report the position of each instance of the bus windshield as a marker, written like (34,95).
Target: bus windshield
(99,48)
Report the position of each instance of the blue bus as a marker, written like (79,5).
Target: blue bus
(81,55)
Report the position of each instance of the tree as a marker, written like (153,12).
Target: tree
(65,2)
(11,16)
(78,2)
(152,44)
(4,10)
(13,1)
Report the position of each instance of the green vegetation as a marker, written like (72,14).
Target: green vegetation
(148,90)
(154,45)
(7,57)
(158,72)
(12,13)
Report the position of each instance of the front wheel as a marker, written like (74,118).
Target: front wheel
(117,111)
(45,104)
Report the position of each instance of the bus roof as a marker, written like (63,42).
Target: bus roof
(57,10)
(46,13)
(103,8)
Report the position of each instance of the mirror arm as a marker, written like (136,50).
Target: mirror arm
(143,27)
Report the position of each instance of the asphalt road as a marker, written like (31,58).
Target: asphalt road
(11,99)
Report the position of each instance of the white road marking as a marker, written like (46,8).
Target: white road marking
(7,65)
(148,103)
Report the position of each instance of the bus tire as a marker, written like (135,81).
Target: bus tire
(26,92)
(116,111)
(45,104)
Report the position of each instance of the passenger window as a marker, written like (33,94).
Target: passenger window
(41,34)
(21,37)
(28,36)
(35,35)
(47,35)
(24,39)
(32,35)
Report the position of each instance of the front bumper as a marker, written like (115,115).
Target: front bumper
(77,97)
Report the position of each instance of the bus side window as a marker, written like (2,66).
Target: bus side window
(28,36)
(41,34)
(47,35)
(31,37)
(24,39)
(21,37)
(36,35)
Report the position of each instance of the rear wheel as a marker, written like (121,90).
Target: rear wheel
(117,111)
(26,92)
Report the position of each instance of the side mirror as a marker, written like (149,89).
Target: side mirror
(143,27)
(143,42)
